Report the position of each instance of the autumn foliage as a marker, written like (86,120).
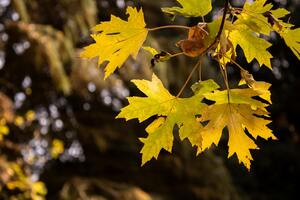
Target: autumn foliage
(242,110)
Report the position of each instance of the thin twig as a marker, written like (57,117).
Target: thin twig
(202,29)
(231,60)
(239,66)
(221,26)
(189,78)
(225,77)
(216,40)
(200,70)
(176,54)
(227,84)
(223,73)
(168,27)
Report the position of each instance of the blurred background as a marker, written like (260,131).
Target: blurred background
(58,135)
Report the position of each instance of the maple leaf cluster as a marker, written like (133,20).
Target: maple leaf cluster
(242,111)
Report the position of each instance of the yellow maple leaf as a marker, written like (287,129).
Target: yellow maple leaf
(253,17)
(260,86)
(237,111)
(292,40)
(170,110)
(117,40)
(190,8)
(253,46)
(280,12)
(286,30)
(259,18)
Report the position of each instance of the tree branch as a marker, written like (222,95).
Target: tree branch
(221,26)
(216,40)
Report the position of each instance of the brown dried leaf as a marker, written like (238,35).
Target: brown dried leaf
(194,45)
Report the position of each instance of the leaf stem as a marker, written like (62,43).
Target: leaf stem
(176,54)
(221,26)
(208,48)
(168,27)
(231,60)
(224,74)
(200,70)
(225,77)
(238,65)
(189,78)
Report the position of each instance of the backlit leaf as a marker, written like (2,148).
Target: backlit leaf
(260,86)
(253,46)
(253,17)
(280,12)
(170,110)
(190,8)
(292,40)
(117,40)
(237,111)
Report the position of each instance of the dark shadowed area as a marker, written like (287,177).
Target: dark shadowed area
(58,134)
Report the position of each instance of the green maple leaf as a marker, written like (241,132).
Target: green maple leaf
(190,8)
(117,40)
(171,111)
(238,111)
